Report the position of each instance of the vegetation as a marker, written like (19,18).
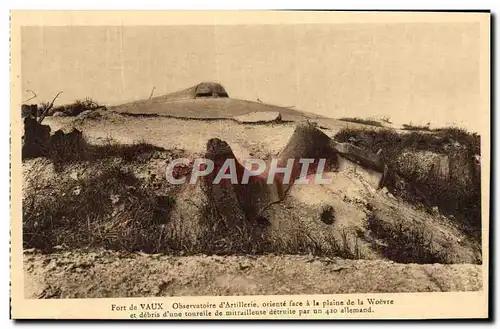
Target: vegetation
(451,196)
(75,108)
(417,128)
(405,243)
(386,119)
(362,121)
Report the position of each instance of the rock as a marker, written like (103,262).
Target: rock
(92,256)
(82,264)
(59,114)
(51,266)
(84,113)
(77,190)
(217,258)
(337,268)
(305,142)
(74,175)
(232,202)
(244,265)
(258,117)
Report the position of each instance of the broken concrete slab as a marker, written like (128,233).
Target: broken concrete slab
(372,177)
(258,117)
(306,142)
(358,155)
(236,199)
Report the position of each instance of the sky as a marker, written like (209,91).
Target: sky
(411,72)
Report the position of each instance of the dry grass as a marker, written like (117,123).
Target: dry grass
(406,244)
(454,198)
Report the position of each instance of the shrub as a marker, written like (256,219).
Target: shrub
(415,127)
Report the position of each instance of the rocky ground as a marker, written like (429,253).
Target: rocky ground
(370,219)
(99,273)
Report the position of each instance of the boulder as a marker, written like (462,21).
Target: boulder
(358,155)
(237,200)
(306,142)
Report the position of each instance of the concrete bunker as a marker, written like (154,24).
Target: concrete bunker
(210,89)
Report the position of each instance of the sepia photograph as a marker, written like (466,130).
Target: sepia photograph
(254,159)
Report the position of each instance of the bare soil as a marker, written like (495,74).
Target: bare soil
(99,274)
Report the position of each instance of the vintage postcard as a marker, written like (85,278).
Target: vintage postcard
(250,165)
